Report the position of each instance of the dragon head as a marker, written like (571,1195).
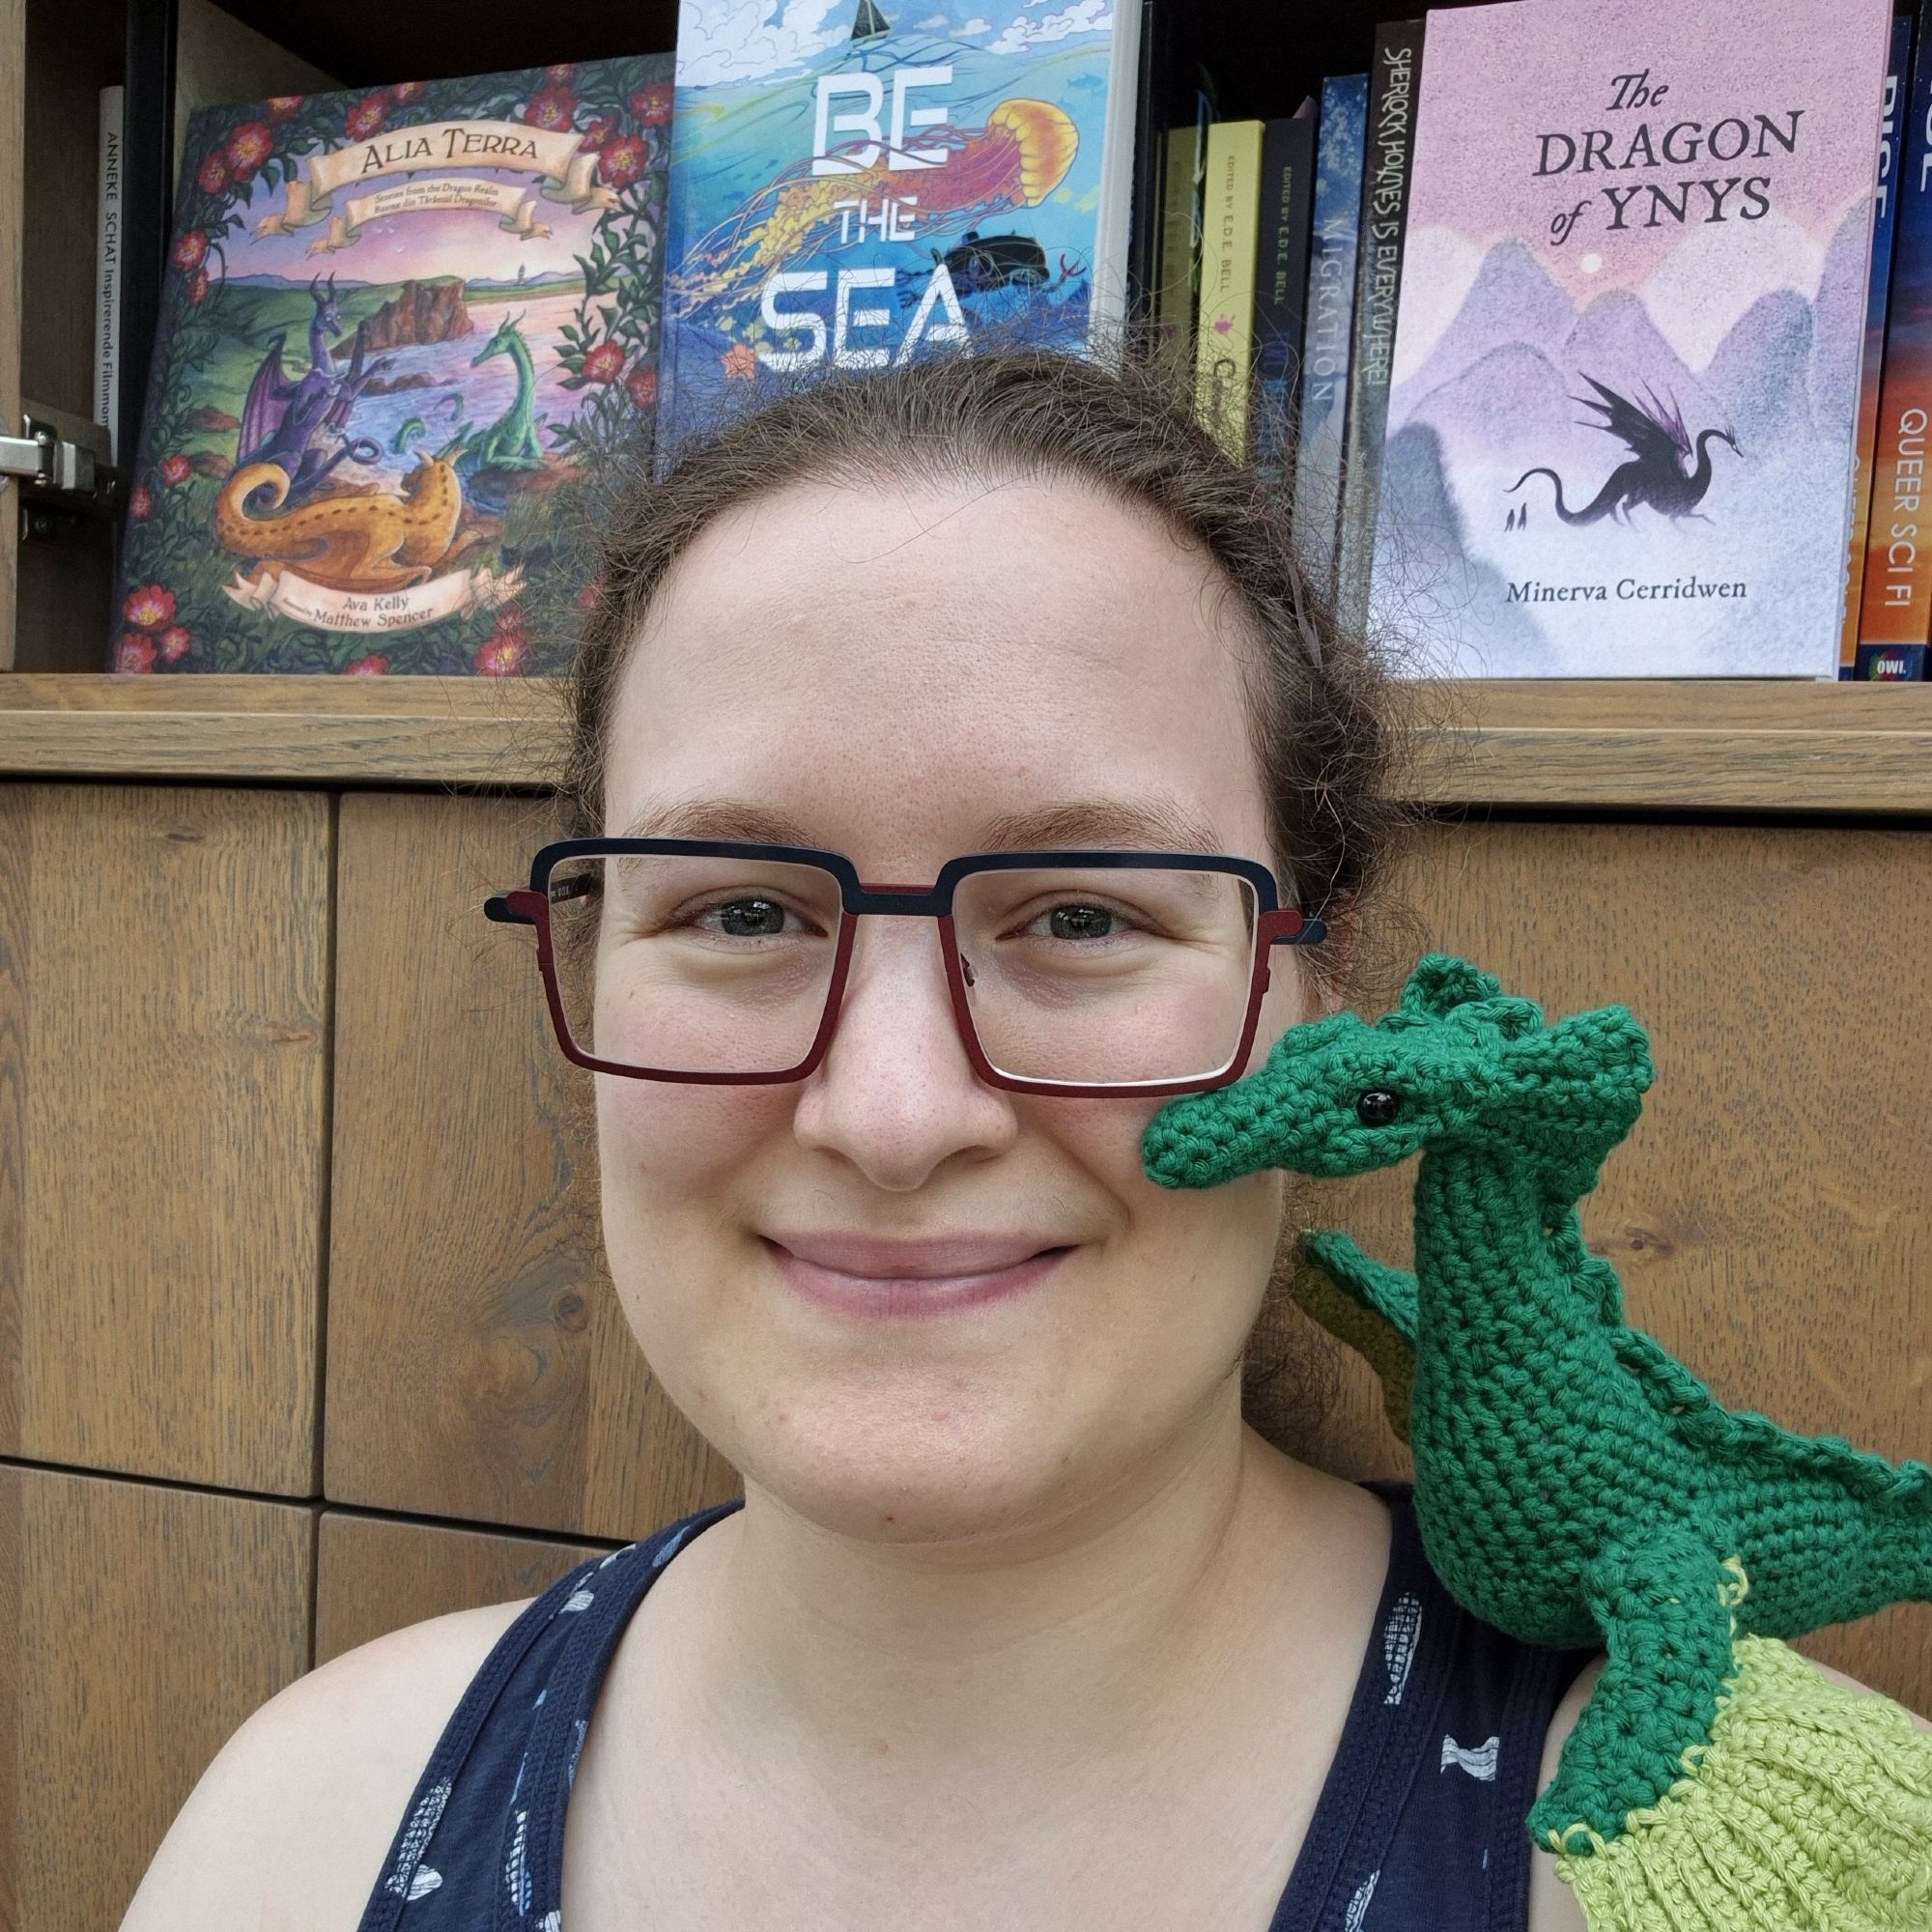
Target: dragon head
(1457,1061)
(499,343)
(328,312)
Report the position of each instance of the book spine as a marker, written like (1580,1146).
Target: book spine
(107,271)
(1225,325)
(1885,202)
(1394,80)
(1896,606)
(1281,286)
(1179,253)
(1330,328)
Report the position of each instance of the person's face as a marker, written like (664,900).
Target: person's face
(893,671)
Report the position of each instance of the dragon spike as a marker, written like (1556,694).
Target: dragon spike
(315,288)
(331,285)
(1671,420)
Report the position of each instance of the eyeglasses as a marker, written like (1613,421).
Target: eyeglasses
(1076,973)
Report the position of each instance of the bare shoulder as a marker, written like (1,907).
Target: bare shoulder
(289,1824)
(1552,1905)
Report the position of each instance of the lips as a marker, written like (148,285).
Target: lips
(927,1280)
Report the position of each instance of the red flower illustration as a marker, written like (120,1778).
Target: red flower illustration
(149,608)
(586,598)
(174,469)
(175,640)
(281,106)
(642,384)
(213,175)
(652,104)
(197,287)
(622,161)
(598,133)
(551,108)
(249,147)
(191,250)
(134,652)
(406,91)
(140,501)
(373,666)
(603,364)
(740,360)
(502,656)
(560,77)
(367,117)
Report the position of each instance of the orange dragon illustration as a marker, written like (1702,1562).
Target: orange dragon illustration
(362,540)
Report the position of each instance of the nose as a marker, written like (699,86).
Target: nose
(896,1094)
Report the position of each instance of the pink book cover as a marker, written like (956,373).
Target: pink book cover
(1627,339)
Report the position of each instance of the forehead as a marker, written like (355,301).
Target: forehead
(899,670)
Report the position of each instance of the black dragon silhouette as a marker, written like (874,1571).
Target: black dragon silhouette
(1655,476)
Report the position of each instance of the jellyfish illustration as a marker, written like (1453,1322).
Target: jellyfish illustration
(1015,161)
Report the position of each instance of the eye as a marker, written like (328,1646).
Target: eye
(1378,1107)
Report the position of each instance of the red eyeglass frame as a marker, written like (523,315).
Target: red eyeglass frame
(1275,924)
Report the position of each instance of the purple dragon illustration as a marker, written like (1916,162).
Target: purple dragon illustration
(285,419)
(1655,476)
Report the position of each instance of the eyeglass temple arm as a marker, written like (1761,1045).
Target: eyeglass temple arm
(519,907)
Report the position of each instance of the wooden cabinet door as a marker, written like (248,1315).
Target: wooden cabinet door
(375,1574)
(1771,1213)
(479,1365)
(163,1014)
(140,1624)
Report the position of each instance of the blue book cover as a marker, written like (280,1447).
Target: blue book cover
(1330,326)
(854,192)
(1281,284)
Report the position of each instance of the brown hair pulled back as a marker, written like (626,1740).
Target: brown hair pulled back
(1327,721)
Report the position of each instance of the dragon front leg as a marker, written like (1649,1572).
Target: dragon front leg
(1665,1606)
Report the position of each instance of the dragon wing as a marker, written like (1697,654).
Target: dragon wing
(267,404)
(1646,436)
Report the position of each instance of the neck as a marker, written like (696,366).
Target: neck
(934,1657)
(1512,1289)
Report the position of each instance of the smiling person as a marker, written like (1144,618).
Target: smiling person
(979,779)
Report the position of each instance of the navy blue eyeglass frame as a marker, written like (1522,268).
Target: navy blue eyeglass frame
(1275,924)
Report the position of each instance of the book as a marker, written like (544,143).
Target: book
(1388,160)
(1224,329)
(406,332)
(852,192)
(107,268)
(1896,607)
(1281,285)
(1620,428)
(1897,85)
(1329,329)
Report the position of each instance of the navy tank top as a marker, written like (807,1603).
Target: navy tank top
(1420,1821)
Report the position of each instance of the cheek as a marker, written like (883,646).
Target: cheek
(665,1145)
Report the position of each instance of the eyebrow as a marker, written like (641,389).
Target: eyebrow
(1159,823)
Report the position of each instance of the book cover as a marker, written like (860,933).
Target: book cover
(107,268)
(1281,284)
(1328,332)
(1387,162)
(404,332)
(854,190)
(1891,121)
(1224,332)
(1896,608)
(1626,372)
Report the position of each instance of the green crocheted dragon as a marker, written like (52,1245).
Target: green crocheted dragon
(1577,1486)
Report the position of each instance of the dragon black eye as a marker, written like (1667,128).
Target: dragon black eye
(1378,1107)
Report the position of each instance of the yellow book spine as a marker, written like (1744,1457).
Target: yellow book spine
(1224,338)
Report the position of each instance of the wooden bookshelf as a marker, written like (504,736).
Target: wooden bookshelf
(1777,745)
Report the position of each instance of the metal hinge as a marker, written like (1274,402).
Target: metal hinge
(65,467)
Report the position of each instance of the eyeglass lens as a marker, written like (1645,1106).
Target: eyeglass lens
(712,964)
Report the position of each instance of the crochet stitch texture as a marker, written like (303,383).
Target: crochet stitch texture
(1577,1486)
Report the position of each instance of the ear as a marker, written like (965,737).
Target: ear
(1571,1093)
(1442,982)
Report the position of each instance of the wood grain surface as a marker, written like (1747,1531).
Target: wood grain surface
(163,1016)
(1783,744)
(479,1365)
(1771,1213)
(140,1623)
(380,1573)
(13,283)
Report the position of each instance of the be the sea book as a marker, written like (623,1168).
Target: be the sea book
(1622,414)
(859,184)
(404,332)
